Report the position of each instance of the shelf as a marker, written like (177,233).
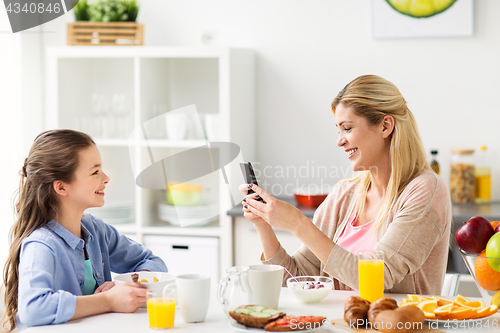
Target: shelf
(126,228)
(112,142)
(216,80)
(145,52)
(183,231)
(173,143)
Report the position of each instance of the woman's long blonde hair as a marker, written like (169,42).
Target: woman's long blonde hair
(373,98)
(53,156)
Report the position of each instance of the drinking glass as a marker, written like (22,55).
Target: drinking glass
(161,307)
(371,275)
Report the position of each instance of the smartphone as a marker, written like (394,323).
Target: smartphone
(249,175)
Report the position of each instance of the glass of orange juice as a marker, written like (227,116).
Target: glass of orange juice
(161,307)
(371,275)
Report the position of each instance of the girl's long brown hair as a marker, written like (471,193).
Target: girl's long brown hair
(53,156)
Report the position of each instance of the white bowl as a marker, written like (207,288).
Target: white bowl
(164,279)
(310,289)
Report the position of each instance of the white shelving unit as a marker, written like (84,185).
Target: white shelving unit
(217,80)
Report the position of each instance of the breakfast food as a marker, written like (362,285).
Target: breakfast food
(310,289)
(383,315)
(384,303)
(135,278)
(273,320)
(437,307)
(400,320)
(309,285)
(295,323)
(255,315)
(356,311)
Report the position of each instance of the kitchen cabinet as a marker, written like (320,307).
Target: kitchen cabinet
(185,255)
(119,95)
(247,246)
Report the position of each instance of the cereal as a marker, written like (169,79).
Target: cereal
(462,183)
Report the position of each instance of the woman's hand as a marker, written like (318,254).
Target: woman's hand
(104,287)
(277,213)
(126,297)
(257,220)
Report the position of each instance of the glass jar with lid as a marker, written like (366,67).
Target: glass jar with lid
(462,176)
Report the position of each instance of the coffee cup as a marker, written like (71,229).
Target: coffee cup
(193,296)
(265,283)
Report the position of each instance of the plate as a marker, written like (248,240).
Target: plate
(242,328)
(459,322)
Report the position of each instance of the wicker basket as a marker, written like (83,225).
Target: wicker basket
(105,33)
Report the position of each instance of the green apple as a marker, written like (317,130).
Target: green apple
(493,251)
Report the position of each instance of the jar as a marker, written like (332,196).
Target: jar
(234,289)
(462,176)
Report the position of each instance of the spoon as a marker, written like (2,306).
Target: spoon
(290,273)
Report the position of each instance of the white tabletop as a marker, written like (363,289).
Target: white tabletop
(331,307)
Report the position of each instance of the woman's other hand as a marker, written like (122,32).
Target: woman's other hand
(127,297)
(104,287)
(277,213)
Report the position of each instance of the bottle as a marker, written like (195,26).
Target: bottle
(462,176)
(434,163)
(483,177)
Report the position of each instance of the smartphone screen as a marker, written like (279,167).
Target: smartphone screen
(249,175)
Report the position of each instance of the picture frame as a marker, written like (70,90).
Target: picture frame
(387,22)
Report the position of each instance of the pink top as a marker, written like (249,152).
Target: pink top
(357,238)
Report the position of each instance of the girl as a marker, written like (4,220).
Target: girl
(60,261)
(396,204)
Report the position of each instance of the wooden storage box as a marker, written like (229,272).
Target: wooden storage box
(105,33)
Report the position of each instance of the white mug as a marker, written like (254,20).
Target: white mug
(265,283)
(193,296)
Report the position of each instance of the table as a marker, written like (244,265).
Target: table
(331,307)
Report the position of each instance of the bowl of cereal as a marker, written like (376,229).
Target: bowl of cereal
(150,280)
(310,289)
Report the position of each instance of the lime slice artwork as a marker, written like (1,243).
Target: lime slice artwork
(421,8)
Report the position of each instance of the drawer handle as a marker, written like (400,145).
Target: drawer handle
(180,247)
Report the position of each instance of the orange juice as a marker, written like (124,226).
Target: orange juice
(371,279)
(161,312)
(483,185)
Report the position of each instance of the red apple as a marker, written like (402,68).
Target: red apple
(497,229)
(473,236)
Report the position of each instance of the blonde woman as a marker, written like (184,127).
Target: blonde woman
(396,204)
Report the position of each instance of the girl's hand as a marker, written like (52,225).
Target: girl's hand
(258,221)
(104,287)
(277,213)
(126,297)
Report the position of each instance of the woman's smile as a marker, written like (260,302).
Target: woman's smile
(351,152)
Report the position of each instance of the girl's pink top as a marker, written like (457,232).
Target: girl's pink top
(357,238)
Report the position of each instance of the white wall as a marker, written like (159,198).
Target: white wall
(11,128)
(308,50)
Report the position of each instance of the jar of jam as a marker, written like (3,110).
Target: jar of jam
(462,176)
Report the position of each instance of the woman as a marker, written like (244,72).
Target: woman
(60,260)
(396,204)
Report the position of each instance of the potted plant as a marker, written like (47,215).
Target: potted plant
(113,22)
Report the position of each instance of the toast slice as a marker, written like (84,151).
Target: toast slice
(255,315)
(295,323)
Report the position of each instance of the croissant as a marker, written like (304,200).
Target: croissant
(356,311)
(384,303)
